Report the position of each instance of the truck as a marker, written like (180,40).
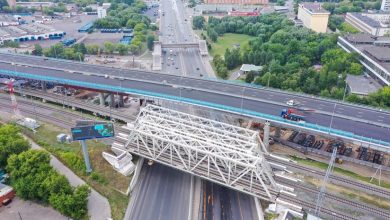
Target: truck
(292,115)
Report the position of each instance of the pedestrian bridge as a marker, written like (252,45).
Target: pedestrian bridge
(227,155)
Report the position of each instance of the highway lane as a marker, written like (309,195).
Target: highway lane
(266,95)
(360,128)
(163,189)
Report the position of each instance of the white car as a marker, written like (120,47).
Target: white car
(291,102)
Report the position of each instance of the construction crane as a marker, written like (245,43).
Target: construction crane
(321,194)
(14,103)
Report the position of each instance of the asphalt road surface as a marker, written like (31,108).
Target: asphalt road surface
(221,203)
(363,121)
(161,193)
(176,28)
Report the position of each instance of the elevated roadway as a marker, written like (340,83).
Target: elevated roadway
(368,125)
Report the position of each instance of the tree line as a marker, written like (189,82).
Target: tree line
(33,178)
(293,58)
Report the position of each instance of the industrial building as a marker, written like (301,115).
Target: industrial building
(29,32)
(374,54)
(377,24)
(37,5)
(238,2)
(385,6)
(101,12)
(313,16)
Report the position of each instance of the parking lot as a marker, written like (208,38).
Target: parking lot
(19,209)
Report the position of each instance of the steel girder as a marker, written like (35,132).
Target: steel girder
(225,154)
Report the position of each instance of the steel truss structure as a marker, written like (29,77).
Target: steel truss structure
(228,155)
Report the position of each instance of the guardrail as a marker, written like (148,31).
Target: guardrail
(309,126)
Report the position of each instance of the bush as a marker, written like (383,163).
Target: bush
(33,178)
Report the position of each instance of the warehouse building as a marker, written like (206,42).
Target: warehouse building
(29,32)
(385,6)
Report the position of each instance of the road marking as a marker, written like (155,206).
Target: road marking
(380,116)
(380,120)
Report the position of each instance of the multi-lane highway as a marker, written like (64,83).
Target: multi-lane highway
(367,122)
(175,28)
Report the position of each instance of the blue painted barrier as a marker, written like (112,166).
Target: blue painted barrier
(195,102)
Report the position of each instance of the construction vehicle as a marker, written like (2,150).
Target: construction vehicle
(292,114)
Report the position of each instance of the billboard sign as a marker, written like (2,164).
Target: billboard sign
(97,130)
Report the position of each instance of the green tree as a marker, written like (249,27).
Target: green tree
(93,49)
(198,22)
(11,142)
(122,49)
(250,77)
(38,51)
(150,42)
(109,47)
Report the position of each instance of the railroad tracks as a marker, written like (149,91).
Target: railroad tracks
(345,181)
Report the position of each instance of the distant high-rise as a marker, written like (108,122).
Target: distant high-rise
(385,5)
(11,3)
(241,2)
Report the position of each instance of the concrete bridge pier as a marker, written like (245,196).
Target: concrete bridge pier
(44,86)
(112,100)
(102,99)
(266,134)
(121,101)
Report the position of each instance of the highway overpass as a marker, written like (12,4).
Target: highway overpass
(360,123)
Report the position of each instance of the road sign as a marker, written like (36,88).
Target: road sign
(98,130)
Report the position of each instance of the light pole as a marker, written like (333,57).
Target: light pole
(331,119)
(269,77)
(345,90)
(242,99)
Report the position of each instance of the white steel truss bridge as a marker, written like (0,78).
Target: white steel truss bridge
(227,155)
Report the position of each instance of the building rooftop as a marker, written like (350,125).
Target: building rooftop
(314,7)
(250,67)
(380,53)
(26,29)
(367,20)
(360,38)
(362,85)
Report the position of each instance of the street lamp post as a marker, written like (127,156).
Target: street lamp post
(242,99)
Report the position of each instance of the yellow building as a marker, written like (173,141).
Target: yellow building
(313,16)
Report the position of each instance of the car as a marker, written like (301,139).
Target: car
(197,68)
(106,76)
(291,102)
(177,68)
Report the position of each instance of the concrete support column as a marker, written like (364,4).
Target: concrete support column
(121,101)
(102,99)
(278,132)
(44,86)
(112,100)
(44,100)
(266,135)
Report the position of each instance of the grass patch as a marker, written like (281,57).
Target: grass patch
(270,216)
(229,41)
(348,173)
(103,179)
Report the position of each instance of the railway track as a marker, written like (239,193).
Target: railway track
(306,205)
(348,182)
(369,209)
